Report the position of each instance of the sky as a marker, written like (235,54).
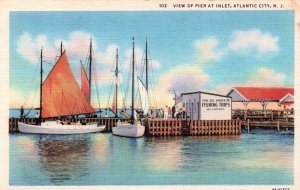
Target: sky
(210,51)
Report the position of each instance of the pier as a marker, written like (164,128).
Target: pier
(176,127)
(158,127)
(266,121)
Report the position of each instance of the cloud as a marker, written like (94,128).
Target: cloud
(255,39)
(262,77)
(30,48)
(265,77)
(77,47)
(207,50)
(139,60)
(183,78)
(77,44)
(17,98)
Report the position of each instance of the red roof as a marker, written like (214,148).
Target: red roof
(264,93)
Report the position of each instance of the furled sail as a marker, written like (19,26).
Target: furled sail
(144,96)
(61,95)
(85,87)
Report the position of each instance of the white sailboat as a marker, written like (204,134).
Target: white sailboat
(61,96)
(57,127)
(133,128)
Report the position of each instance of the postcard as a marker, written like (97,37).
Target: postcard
(149,94)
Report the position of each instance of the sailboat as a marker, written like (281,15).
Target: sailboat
(61,96)
(133,128)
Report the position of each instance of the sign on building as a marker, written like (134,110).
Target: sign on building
(207,106)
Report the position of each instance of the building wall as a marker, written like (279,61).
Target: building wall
(215,107)
(191,104)
(235,96)
(207,106)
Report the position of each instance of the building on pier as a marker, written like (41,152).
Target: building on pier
(261,98)
(206,106)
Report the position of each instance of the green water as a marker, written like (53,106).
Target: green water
(262,157)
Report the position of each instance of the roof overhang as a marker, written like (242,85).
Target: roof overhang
(289,94)
(233,89)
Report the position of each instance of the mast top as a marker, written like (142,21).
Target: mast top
(61,48)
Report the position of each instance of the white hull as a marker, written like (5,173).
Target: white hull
(54,127)
(129,130)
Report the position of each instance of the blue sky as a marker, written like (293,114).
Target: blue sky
(190,50)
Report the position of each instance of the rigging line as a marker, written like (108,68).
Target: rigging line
(63,99)
(74,107)
(51,58)
(61,105)
(48,63)
(122,94)
(66,102)
(127,85)
(96,85)
(143,63)
(153,88)
(112,79)
(108,101)
(32,102)
(122,86)
(35,74)
(152,77)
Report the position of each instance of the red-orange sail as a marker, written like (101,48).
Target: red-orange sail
(61,95)
(85,87)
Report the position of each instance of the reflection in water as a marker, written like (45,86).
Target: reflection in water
(103,159)
(64,157)
(100,147)
(215,138)
(164,153)
(174,153)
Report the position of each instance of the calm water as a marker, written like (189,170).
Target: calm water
(262,157)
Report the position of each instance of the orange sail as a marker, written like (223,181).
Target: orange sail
(61,95)
(85,87)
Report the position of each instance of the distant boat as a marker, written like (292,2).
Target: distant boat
(133,128)
(61,96)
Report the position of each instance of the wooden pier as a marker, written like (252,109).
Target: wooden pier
(176,127)
(278,124)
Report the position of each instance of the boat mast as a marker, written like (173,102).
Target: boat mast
(116,82)
(41,83)
(61,48)
(146,65)
(132,92)
(90,68)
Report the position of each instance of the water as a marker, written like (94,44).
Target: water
(262,157)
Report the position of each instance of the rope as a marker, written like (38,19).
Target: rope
(96,80)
